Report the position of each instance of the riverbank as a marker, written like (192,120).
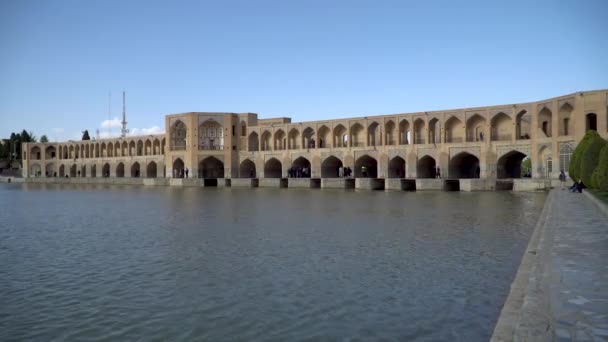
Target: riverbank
(560,291)
(421,184)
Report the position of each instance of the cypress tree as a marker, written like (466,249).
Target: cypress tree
(600,174)
(590,159)
(574,168)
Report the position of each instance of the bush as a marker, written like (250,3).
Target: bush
(574,169)
(600,175)
(590,159)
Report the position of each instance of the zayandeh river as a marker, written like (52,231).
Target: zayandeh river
(109,263)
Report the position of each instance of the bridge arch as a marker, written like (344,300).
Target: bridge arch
(49,170)
(396,167)
(105,170)
(509,164)
(151,170)
(426,167)
(135,170)
(120,170)
(369,163)
(211,167)
(93,170)
(247,169)
(302,163)
(178,168)
(273,168)
(464,165)
(330,166)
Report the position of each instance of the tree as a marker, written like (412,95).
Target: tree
(600,175)
(44,139)
(85,135)
(590,159)
(575,163)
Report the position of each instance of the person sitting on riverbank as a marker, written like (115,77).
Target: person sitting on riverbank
(578,186)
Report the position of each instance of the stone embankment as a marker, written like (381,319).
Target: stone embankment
(560,292)
(399,184)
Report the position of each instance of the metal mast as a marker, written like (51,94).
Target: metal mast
(124,130)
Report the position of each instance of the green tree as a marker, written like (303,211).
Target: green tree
(590,159)
(85,135)
(44,139)
(574,168)
(600,174)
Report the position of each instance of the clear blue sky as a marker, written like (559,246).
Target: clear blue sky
(308,60)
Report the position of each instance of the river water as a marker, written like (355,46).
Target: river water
(138,263)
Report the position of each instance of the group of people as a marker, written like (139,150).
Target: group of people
(298,172)
(183,173)
(347,171)
(576,187)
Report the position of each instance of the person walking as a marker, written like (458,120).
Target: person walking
(340,172)
(562,178)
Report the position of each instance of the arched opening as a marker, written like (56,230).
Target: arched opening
(501,125)
(35,153)
(73,170)
(104,152)
(148,148)
(211,136)
(117,149)
(177,136)
(434,130)
(110,150)
(510,165)
(93,171)
(464,165)
(35,170)
(340,136)
(178,168)
(330,166)
(65,152)
(273,169)
(357,134)
(247,169)
(151,170)
(62,171)
(523,124)
(105,170)
(140,148)
(135,172)
(475,128)
(266,141)
(211,168)
(50,152)
(49,170)
(564,115)
(254,142)
(293,141)
(96,150)
(86,151)
(120,170)
(426,167)
(72,152)
(83,171)
(156,147)
(77,152)
(128,149)
(454,130)
(389,129)
(404,132)
(366,167)
(396,168)
(324,137)
(301,168)
(308,138)
(279,140)
(374,135)
(544,122)
(419,127)
(591,122)
(162,146)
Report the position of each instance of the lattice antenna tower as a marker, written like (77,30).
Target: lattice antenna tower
(124,130)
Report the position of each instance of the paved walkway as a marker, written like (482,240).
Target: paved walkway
(561,290)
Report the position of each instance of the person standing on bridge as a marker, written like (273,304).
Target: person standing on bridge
(562,178)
